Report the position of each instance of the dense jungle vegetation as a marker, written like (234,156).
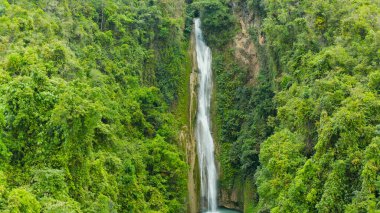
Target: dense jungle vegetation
(93,94)
(306,135)
(88,96)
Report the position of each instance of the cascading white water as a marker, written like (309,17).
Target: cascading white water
(205,143)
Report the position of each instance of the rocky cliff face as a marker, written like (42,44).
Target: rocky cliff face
(188,137)
(241,193)
(231,198)
(245,49)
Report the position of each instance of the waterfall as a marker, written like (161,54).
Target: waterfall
(205,143)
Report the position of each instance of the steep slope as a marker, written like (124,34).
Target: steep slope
(321,157)
(91,99)
(300,133)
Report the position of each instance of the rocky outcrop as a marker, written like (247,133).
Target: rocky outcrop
(245,49)
(229,199)
(188,136)
(241,194)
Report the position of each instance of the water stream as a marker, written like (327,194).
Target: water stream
(205,143)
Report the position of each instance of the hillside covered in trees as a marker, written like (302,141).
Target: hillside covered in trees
(94,94)
(86,89)
(304,136)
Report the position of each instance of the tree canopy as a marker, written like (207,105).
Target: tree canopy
(86,91)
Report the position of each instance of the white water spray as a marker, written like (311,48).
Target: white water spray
(205,142)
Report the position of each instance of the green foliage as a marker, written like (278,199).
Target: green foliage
(374,81)
(334,189)
(20,200)
(280,157)
(49,183)
(59,206)
(312,117)
(326,66)
(86,89)
(366,199)
(165,173)
(218,24)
